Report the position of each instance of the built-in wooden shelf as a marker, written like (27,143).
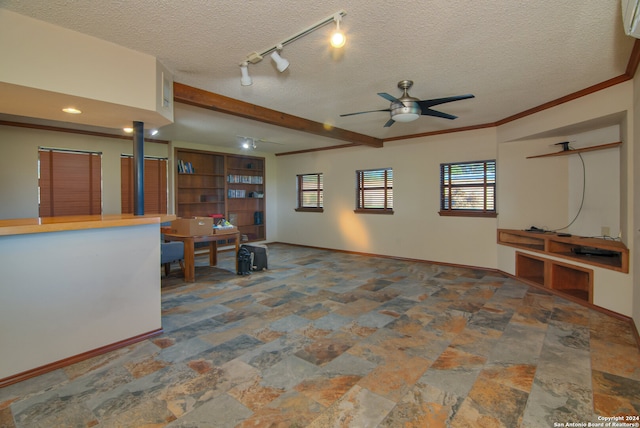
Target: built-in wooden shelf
(575,151)
(223,185)
(565,278)
(569,247)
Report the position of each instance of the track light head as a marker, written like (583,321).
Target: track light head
(245,80)
(246,143)
(338,39)
(281,63)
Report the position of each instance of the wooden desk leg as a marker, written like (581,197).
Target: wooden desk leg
(189,260)
(213,253)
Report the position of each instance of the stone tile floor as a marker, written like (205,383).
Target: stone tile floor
(327,339)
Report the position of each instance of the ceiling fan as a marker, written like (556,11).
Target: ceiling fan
(407,108)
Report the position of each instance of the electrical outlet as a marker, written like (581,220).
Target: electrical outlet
(605,231)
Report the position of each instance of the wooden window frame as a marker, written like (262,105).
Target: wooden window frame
(362,190)
(447,186)
(301,192)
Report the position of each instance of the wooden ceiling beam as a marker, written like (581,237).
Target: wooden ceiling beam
(204,99)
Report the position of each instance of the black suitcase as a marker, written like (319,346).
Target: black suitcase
(259,254)
(244,261)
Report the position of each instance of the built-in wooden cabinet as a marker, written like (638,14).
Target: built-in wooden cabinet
(219,184)
(245,195)
(577,248)
(200,183)
(567,278)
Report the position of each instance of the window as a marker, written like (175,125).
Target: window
(468,189)
(375,191)
(70,182)
(155,185)
(310,192)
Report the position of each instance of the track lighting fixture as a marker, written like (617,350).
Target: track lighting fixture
(246,142)
(338,40)
(245,80)
(281,63)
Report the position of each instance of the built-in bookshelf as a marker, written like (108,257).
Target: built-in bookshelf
(200,184)
(245,195)
(222,185)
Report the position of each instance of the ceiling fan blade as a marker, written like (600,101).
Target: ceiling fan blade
(429,112)
(362,112)
(389,123)
(388,97)
(434,102)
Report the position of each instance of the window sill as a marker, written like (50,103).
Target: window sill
(462,213)
(372,211)
(310,210)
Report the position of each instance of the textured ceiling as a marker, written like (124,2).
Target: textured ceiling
(512,55)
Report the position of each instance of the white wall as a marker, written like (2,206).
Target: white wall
(601,182)
(66,293)
(548,192)
(45,56)
(19,166)
(633,137)
(415,230)
(531,192)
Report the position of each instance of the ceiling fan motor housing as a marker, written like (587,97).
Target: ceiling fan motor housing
(407,109)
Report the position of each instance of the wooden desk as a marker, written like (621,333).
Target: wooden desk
(189,249)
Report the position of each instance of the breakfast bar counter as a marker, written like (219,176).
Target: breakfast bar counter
(21,226)
(75,287)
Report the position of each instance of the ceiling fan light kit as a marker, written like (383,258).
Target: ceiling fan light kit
(407,108)
(338,40)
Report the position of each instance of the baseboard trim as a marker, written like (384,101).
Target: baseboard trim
(76,358)
(554,292)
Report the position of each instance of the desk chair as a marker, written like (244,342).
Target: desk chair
(171,252)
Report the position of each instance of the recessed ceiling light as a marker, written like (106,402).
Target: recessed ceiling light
(71,110)
(128,130)
(153,132)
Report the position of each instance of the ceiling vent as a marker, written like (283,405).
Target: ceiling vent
(631,17)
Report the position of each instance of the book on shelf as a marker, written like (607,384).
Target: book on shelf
(244,179)
(185,167)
